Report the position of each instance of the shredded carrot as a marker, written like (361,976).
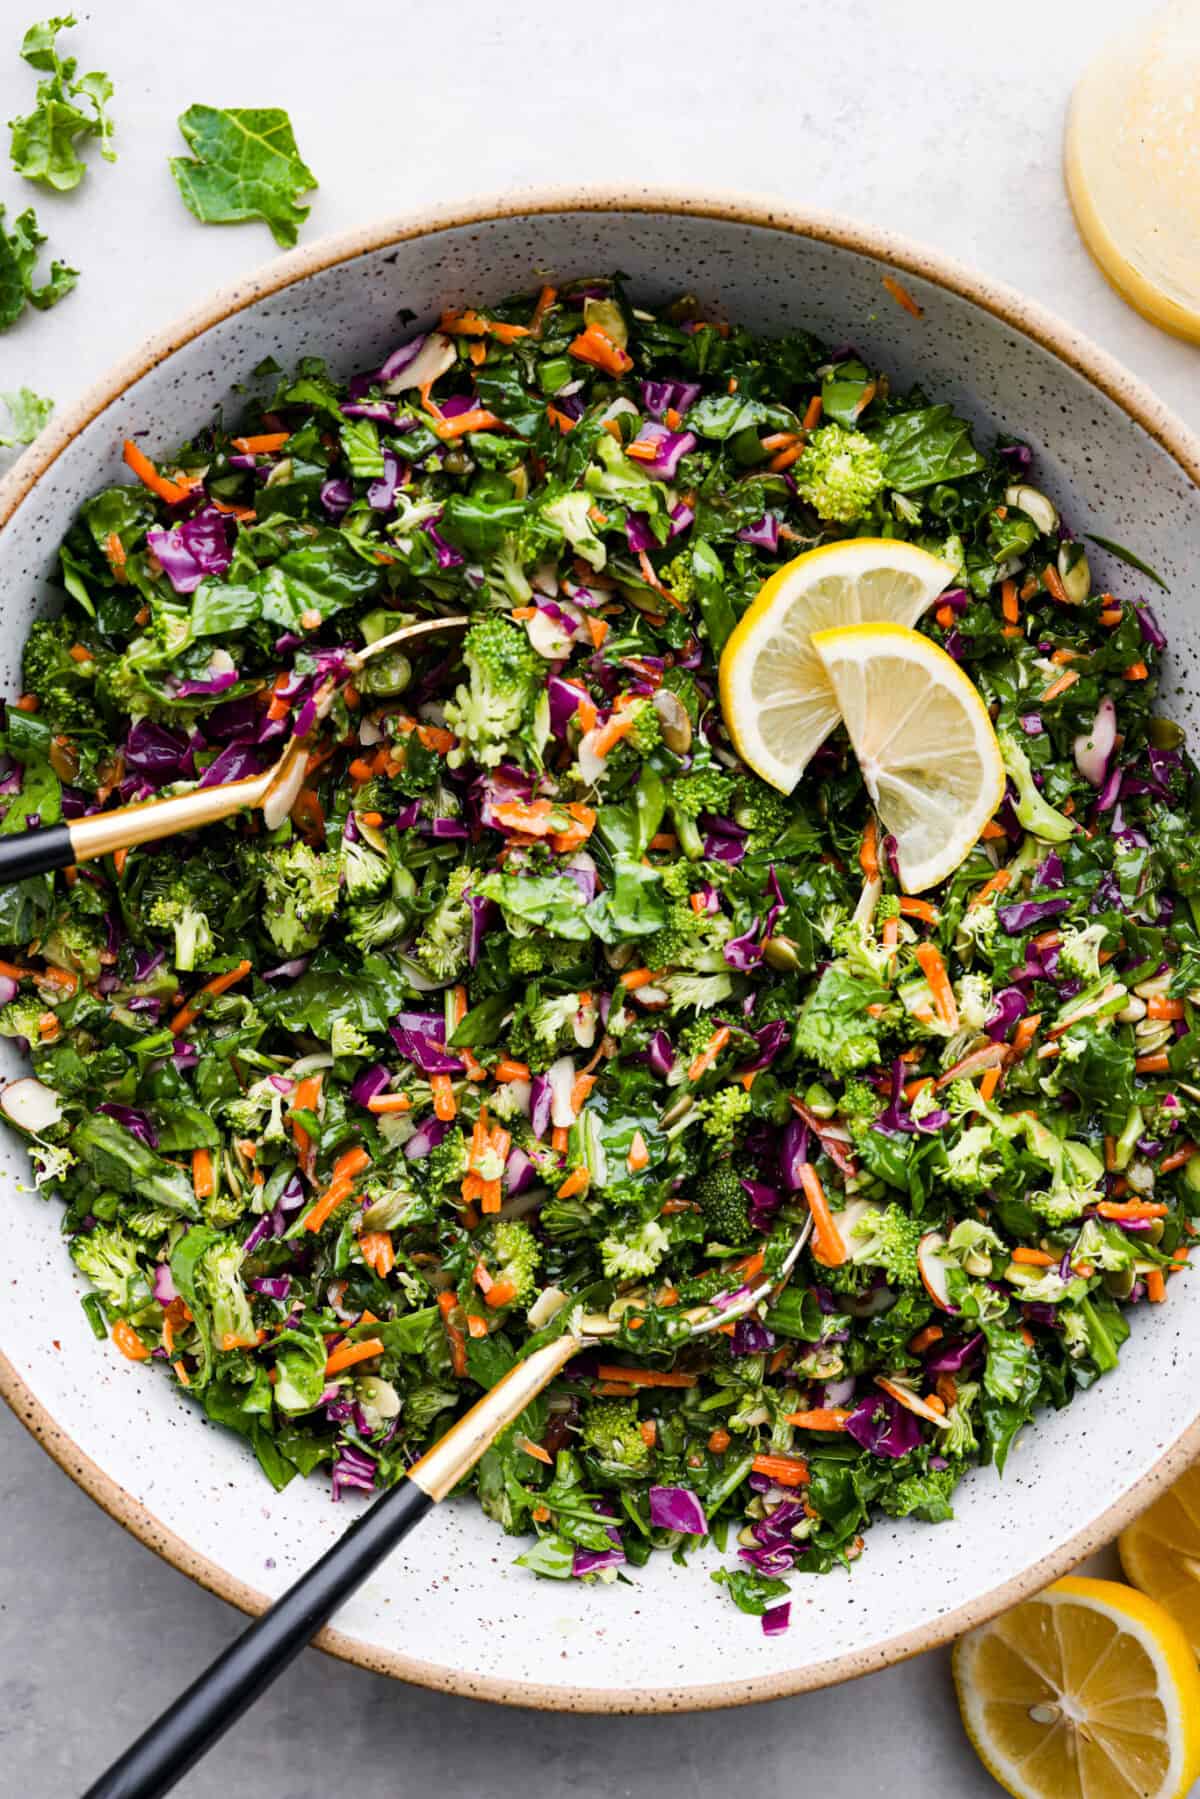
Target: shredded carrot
(1024,1035)
(633,978)
(1137,671)
(700,1064)
(998,882)
(128,1341)
(1052,582)
(1156,1064)
(508,1069)
(560,1136)
(988,1083)
(785,458)
(934,969)
(444,1104)
(597,347)
(1156,1286)
(28,702)
(501,1293)
(202,1173)
(1008,601)
(546,299)
(644,1377)
(821,1417)
(114,552)
(263,445)
(1060,686)
(580,1088)
(902,297)
(639,1155)
(447,1305)
(377,1252)
(1164,1008)
(933,1333)
(1177,1158)
(583,823)
(784,1470)
(828,1247)
(719,1441)
(1111,616)
(478,419)
(350,1353)
(812,413)
(610,734)
(1131,1209)
(561,420)
(1033,1258)
(219,984)
(576,1182)
(528,1447)
(868,850)
(918,908)
(144,469)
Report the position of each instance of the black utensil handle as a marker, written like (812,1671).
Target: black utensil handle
(165,1752)
(35,852)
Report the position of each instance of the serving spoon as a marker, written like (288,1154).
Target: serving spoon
(48,847)
(202,1714)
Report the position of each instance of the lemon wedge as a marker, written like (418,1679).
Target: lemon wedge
(1160,1552)
(924,743)
(778,704)
(1089,1691)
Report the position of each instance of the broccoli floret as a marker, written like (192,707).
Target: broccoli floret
(364,871)
(569,516)
(22,1017)
(545,1028)
(840,473)
(377,921)
(51,1162)
(637,1255)
(974,1245)
(176,910)
(721,1113)
(976,1160)
(677,575)
(491,714)
(703,790)
(506,576)
(697,991)
(540,953)
(443,947)
(977,930)
(692,1040)
(690,939)
(859,1105)
(1059,1206)
(220,1280)
(1104,1246)
(66,689)
(646,731)
(300,890)
(512,1254)
(888,1239)
(848,1278)
(722,1200)
(76,942)
(110,1260)
(763,812)
(609,1432)
(445,1165)
(258,1112)
(974,1001)
(959,1437)
(1035,813)
(835,1029)
(1079,952)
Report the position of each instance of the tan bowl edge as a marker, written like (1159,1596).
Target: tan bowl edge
(1026,316)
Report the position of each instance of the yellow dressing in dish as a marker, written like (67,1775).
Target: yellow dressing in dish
(1132,159)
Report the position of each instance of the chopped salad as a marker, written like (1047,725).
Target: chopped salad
(540,1001)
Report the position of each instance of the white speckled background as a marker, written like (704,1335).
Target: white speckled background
(394,108)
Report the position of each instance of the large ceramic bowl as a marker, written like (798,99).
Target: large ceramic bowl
(450,1610)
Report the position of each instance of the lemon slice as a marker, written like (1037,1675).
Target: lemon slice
(1089,1691)
(778,704)
(924,743)
(1160,1553)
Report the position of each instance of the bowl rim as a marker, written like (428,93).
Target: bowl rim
(1005,303)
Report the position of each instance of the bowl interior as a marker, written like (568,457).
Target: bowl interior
(451,1609)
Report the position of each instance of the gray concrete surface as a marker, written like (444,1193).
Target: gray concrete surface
(931,118)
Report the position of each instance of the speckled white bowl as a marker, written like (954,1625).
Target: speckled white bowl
(451,1611)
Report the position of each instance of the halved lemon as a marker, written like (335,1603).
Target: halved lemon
(924,742)
(1160,1552)
(778,704)
(1089,1691)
